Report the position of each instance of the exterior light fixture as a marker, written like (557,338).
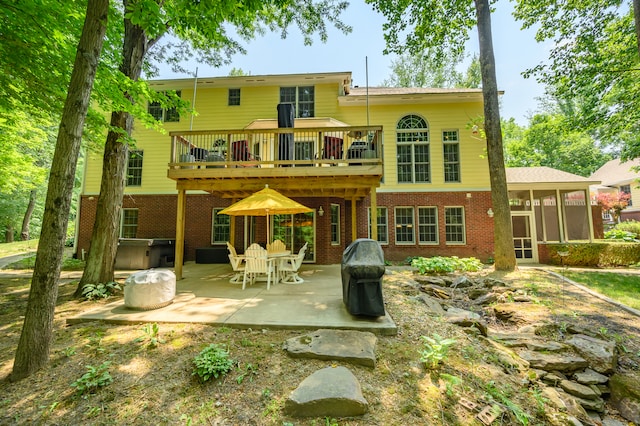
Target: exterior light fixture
(320,211)
(490,212)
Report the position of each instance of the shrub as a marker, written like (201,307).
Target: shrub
(445,265)
(619,234)
(632,226)
(212,361)
(595,254)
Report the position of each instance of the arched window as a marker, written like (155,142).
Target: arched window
(412,137)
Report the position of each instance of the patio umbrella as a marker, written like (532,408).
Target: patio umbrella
(264,203)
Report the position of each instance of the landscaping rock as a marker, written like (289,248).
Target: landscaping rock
(331,392)
(428,279)
(486,299)
(564,402)
(464,318)
(433,306)
(554,362)
(520,313)
(576,389)
(356,347)
(590,377)
(600,354)
(507,357)
(462,282)
(625,396)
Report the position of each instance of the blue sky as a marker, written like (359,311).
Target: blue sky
(515,51)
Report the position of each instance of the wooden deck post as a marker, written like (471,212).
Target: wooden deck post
(180,220)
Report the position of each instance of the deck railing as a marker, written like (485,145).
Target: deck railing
(297,147)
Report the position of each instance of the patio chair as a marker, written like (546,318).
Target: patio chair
(240,152)
(276,247)
(257,264)
(289,266)
(237,264)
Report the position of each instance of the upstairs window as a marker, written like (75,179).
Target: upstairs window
(451,152)
(412,137)
(164,114)
(626,189)
(134,168)
(234,97)
(302,98)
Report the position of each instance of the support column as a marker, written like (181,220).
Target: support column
(180,220)
(354,221)
(562,224)
(587,201)
(374,214)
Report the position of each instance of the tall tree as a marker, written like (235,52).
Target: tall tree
(35,340)
(596,59)
(426,70)
(202,28)
(550,141)
(444,26)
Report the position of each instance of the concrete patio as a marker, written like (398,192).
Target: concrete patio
(206,296)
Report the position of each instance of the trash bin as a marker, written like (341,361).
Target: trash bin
(362,271)
(145,253)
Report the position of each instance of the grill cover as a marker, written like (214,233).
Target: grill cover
(362,271)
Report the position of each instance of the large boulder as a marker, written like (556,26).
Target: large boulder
(554,362)
(356,347)
(331,392)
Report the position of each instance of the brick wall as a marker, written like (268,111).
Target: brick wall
(157,218)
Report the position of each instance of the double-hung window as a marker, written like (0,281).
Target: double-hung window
(234,97)
(129,223)
(454,225)
(335,224)
(404,225)
(160,113)
(220,227)
(383,228)
(451,152)
(626,189)
(427,225)
(412,138)
(134,168)
(302,98)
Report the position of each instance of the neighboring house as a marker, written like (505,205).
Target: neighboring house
(401,165)
(617,176)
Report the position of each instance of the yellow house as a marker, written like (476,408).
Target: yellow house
(400,165)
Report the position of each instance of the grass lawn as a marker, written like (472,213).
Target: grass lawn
(625,288)
(18,247)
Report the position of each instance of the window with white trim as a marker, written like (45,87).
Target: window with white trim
(412,137)
(302,98)
(383,228)
(451,153)
(234,97)
(405,233)
(220,227)
(427,225)
(129,223)
(454,225)
(335,224)
(134,168)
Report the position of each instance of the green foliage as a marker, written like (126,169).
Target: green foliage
(150,338)
(94,378)
(249,371)
(502,396)
(619,234)
(444,265)
(100,291)
(603,254)
(212,361)
(95,343)
(632,226)
(434,350)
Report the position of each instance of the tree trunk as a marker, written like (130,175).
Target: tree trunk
(104,239)
(8,233)
(24,233)
(504,255)
(35,340)
(636,21)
